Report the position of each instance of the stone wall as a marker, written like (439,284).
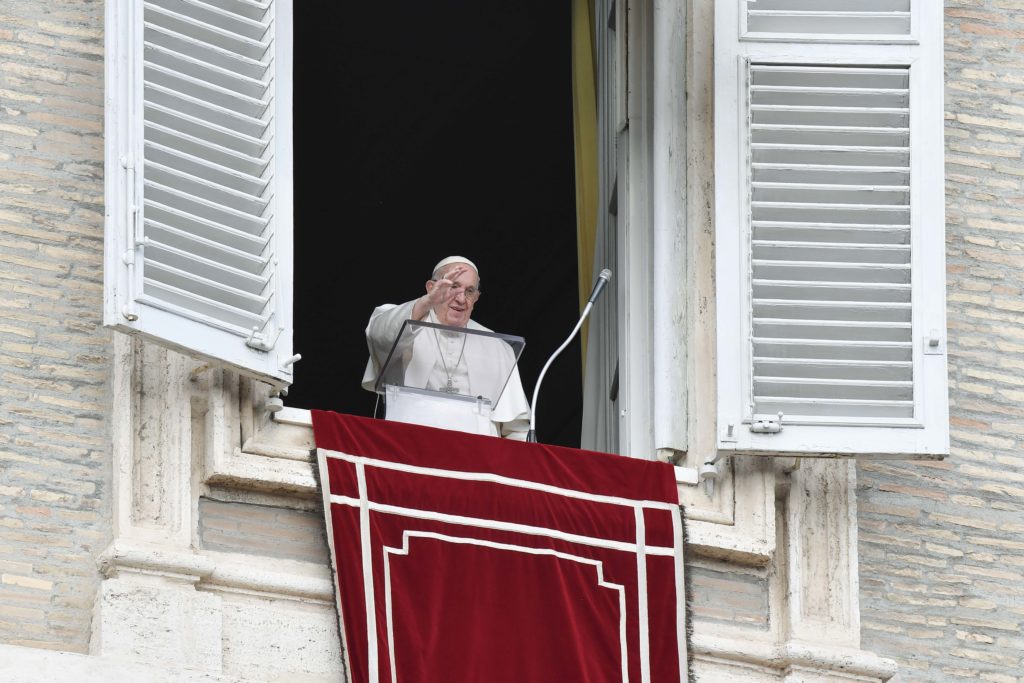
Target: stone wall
(55,466)
(723,593)
(942,544)
(265,530)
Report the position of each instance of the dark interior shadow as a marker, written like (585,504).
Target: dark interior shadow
(424,129)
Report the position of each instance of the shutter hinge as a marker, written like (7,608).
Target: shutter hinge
(259,341)
(128,257)
(766,425)
(729,433)
(262,341)
(132,234)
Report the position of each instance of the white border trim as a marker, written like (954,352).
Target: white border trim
(499,479)
(366,551)
(641,595)
(325,490)
(680,564)
(496,525)
(598,566)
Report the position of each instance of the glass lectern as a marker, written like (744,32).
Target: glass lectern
(447,377)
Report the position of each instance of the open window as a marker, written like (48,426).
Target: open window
(829,227)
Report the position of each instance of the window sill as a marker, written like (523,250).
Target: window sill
(300,417)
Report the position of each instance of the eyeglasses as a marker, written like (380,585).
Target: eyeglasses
(471,293)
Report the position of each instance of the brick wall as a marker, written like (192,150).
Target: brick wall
(721,594)
(262,530)
(942,544)
(54,356)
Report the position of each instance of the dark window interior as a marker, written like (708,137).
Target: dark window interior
(424,129)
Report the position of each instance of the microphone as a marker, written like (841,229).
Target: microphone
(602,280)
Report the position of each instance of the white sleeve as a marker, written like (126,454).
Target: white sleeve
(515,430)
(513,410)
(381,332)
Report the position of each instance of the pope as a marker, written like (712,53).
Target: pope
(455,363)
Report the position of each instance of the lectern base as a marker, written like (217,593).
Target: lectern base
(436,409)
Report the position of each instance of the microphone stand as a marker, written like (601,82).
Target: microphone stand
(602,280)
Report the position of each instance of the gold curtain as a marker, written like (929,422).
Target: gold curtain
(584,106)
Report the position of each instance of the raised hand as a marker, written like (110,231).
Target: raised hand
(440,292)
(446,288)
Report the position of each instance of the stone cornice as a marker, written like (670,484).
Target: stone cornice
(215,573)
(794,654)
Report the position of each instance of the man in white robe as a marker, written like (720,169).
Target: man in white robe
(463,364)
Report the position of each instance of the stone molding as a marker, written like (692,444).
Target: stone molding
(126,555)
(33,665)
(219,572)
(246,449)
(780,659)
(180,428)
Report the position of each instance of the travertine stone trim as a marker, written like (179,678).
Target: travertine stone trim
(821,553)
(749,659)
(240,577)
(34,665)
(125,555)
(152,443)
(216,571)
(158,618)
(244,447)
(747,536)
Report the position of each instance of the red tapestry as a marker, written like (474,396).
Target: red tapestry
(470,558)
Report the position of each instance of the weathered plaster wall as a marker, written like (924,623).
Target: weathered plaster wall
(55,466)
(942,544)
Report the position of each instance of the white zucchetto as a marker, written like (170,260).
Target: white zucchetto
(455,259)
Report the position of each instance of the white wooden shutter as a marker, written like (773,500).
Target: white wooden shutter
(199,209)
(829,227)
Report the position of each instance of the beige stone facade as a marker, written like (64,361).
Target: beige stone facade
(942,543)
(55,358)
(139,489)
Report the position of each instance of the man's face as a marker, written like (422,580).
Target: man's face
(457,311)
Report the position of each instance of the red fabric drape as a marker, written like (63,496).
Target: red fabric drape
(470,558)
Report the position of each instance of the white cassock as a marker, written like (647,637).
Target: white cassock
(474,366)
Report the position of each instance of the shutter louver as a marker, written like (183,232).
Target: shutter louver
(830,254)
(208,161)
(198,239)
(866,19)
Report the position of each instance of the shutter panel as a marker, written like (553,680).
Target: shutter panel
(199,252)
(829,205)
